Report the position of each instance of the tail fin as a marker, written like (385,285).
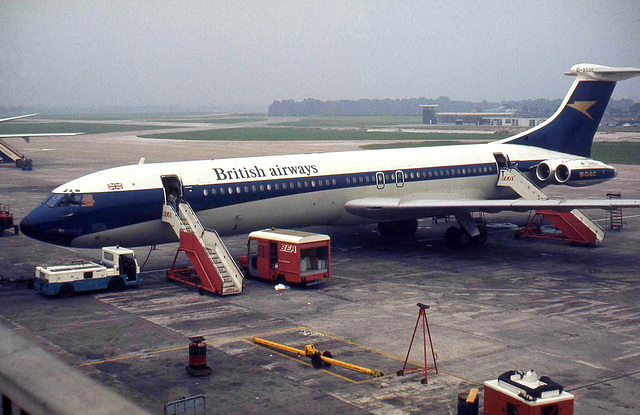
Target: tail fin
(572,127)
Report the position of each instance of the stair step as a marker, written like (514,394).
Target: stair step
(216,252)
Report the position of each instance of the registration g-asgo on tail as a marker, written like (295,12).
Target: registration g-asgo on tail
(124,205)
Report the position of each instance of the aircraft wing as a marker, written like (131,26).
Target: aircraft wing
(23,135)
(416,207)
(27,135)
(18,117)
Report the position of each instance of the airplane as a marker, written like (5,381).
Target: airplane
(393,187)
(9,155)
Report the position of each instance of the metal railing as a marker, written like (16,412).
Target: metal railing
(35,381)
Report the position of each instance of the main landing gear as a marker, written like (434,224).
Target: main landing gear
(398,228)
(459,238)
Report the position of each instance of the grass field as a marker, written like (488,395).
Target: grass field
(412,144)
(619,129)
(623,153)
(288,134)
(209,120)
(71,127)
(353,121)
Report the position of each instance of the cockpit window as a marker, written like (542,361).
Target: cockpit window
(88,201)
(71,199)
(53,199)
(65,199)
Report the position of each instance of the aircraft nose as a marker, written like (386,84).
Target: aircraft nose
(26,228)
(41,225)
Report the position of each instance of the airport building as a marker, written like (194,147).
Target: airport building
(498,119)
(428,114)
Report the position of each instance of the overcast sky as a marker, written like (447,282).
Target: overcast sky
(244,55)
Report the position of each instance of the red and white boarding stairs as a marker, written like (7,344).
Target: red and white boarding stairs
(213,265)
(576,226)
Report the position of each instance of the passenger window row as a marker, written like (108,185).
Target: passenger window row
(360,179)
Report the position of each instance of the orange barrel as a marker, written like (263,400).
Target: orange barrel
(197,353)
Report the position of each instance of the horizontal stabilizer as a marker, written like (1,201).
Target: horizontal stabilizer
(602,73)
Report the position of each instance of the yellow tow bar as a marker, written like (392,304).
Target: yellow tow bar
(317,358)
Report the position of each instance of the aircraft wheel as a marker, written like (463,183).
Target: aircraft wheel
(66,290)
(463,239)
(408,227)
(388,229)
(116,284)
(451,236)
(398,228)
(482,238)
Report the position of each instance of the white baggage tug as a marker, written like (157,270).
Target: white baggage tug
(117,269)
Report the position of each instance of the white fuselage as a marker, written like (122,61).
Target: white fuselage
(300,190)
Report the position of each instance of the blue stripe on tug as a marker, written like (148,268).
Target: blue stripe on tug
(92,284)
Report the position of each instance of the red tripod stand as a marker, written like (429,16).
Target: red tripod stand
(422,314)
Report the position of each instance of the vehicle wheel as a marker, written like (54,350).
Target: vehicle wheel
(16,229)
(316,360)
(328,354)
(281,279)
(66,290)
(116,284)
(1,230)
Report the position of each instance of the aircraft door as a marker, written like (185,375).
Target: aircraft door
(380,180)
(399,178)
(502,161)
(173,191)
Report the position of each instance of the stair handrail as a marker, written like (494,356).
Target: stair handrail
(521,179)
(170,216)
(590,223)
(216,243)
(225,256)
(15,155)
